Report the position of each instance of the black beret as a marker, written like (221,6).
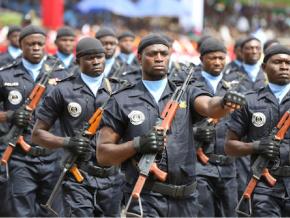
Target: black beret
(201,40)
(126,33)
(239,41)
(268,42)
(249,38)
(105,31)
(65,31)
(89,45)
(31,29)
(168,37)
(13,28)
(212,45)
(275,49)
(151,39)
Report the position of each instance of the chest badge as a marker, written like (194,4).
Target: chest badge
(258,119)
(74,109)
(53,81)
(182,104)
(14,97)
(136,117)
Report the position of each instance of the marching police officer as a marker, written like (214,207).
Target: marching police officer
(65,42)
(73,102)
(130,116)
(14,52)
(32,174)
(216,179)
(255,121)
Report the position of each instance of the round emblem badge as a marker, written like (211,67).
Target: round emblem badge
(74,109)
(136,117)
(14,97)
(258,119)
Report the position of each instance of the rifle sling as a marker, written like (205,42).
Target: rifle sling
(98,171)
(35,151)
(166,189)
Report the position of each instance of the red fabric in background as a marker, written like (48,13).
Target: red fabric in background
(52,13)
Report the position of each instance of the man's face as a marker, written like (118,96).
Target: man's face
(154,61)
(214,62)
(110,45)
(65,44)
(92,65)
(126,45)
(252,52)
(278,69)
(14,39)
(33,47)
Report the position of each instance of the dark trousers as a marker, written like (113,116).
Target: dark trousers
(158,205)
(82,200)
(30,185)
(217,196)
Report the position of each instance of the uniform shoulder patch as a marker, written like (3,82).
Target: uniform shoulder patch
(129,86)
(14,63)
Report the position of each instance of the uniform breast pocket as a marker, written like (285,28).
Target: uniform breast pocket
(180,120)
(260,124)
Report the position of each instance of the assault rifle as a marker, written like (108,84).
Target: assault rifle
(147,162)
(70,160)
(259,168)
(211,122)
(14,136)
(118,72)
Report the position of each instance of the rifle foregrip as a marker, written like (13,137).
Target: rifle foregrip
(7,154)
(139,186)
(157,172)
(250,188)
(36,95)
(270,179)
(26,147)
(202,157)
(77,174)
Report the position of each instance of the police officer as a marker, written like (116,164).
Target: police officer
(237,62)
(73,102)
(32,174)
(65,42)
(109,40)
(14,52)
(269,43)
(216,179)
(130,116)
(264,109)
(251,67)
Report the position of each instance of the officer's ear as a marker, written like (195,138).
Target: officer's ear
(20,45)
(201,58)
(264,65)
(139,56)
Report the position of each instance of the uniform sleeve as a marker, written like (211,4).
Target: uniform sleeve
(113,117)
(51,108)
(194,93)
(238,121)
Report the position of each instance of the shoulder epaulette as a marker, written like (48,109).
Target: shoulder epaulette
(67,79)
(129,86)
(14,63)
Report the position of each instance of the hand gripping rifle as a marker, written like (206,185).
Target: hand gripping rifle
(14,136)
(70,159)
(147,162)
(211,122)
(259,168)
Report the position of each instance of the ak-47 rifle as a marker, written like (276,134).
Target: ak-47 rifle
(211,122)
(14,136)
(147,162)
(69,161)
(259,168)
(118,72)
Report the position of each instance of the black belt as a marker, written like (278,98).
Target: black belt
(98,171)
(166,189)
(35,151)
(220,159)
(281,171)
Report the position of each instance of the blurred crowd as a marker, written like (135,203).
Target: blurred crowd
(226,20)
